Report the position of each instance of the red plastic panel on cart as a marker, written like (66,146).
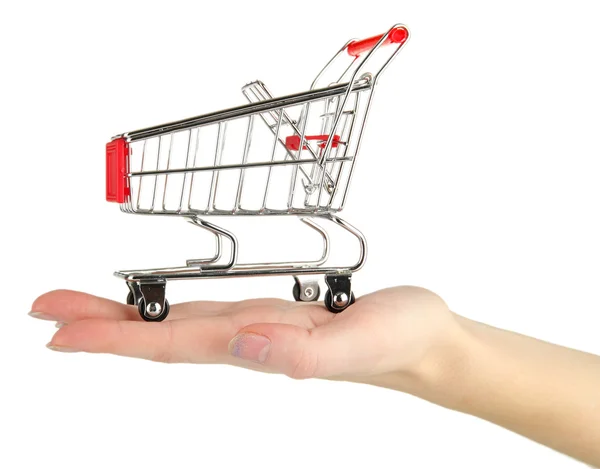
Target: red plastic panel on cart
(117,184)
(293,141)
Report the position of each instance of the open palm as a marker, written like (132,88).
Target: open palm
(389,330)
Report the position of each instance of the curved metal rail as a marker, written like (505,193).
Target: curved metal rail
(199,270)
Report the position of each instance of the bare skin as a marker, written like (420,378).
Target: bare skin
(403,338)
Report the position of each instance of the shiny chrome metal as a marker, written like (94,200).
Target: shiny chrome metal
(309,141)
(167,176)
(224,167)
(151,292)
(185,176)
(153,310)
(218,155)
(208,260)
(275,142)
(241,111)
(355,72)
(250,270)
(247,144)
(340,291)
(217,231)
(260,92)
(340,299)
(141,169)
(156,173)
(308,288)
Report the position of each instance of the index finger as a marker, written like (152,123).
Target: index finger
(69,306)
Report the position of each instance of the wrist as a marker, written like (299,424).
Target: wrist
(437,377)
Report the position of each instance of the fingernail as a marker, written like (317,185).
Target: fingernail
(44,316)
(60,324)
(248,346)
(60,348)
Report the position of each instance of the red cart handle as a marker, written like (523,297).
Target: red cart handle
(397,35)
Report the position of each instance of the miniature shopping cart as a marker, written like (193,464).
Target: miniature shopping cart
(291,155)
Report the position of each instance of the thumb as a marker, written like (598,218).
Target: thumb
(283,348)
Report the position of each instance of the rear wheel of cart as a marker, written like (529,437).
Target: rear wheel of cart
(130,299)
(338,302)
(153,312)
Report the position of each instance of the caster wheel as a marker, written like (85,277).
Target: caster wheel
(130,299)
(331,306)
(155,314)
(311,293)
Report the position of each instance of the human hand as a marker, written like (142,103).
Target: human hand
(400,331)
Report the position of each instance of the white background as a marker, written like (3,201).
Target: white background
(478,179)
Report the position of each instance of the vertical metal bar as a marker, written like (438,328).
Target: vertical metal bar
(327,115)
(218,154)
(347,69)
(156,176)
(262,95)
(335,164)
(292,186)
(299,155)
(294,178)
(167,175)
(185,175)
(325,130)
(339,111)
(317,171)
(324,69)
(340,164)
(351,83)
(282,142)
(273,151)
(244,161)
(301,119)
(193,166)
(141,179)
(320,170)
(259,88)
(367,108)
(358,142)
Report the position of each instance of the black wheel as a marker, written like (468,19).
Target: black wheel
(130,299)
(157,318)
(332,307)
(313,297)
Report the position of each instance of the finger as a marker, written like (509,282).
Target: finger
(69,306)
(201,340)
(197,340)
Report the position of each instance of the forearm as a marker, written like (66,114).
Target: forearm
(545,392)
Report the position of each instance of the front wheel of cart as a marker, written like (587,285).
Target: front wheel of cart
(307,292)
(338,302)
(153,312)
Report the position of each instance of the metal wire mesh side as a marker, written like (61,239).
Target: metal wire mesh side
(252,164)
